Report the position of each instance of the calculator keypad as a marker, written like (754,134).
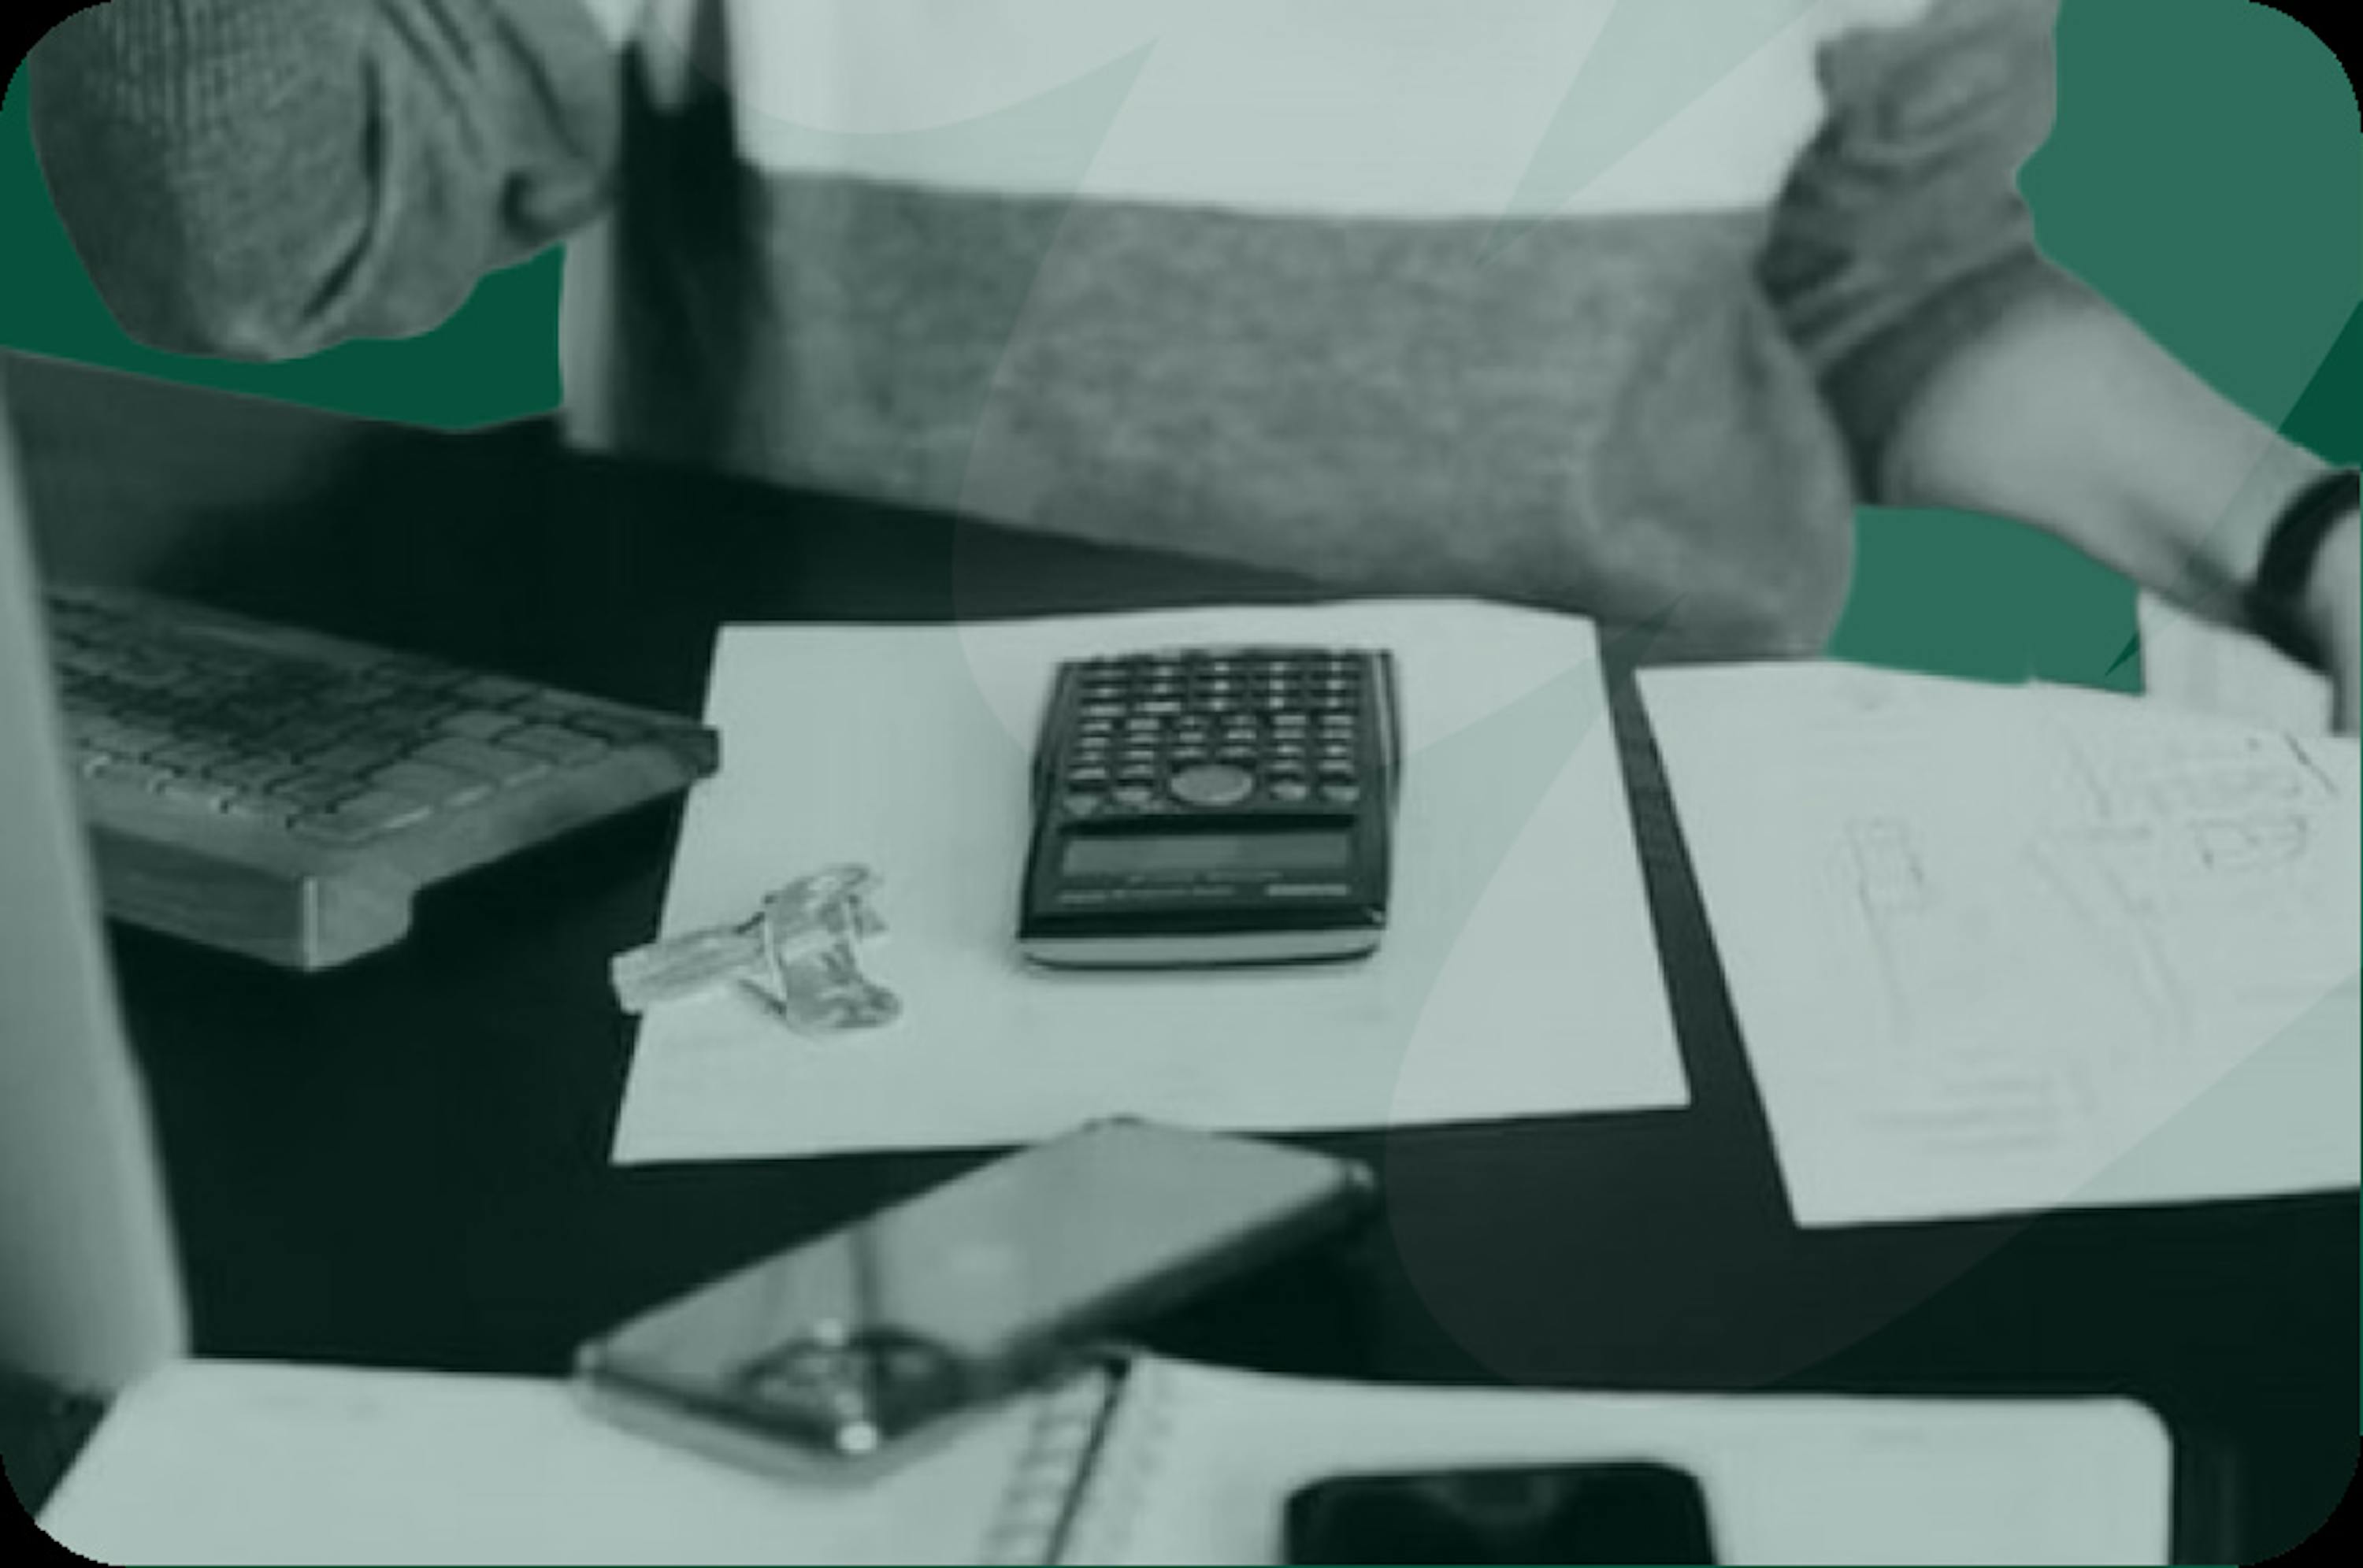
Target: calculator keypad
(1217,729)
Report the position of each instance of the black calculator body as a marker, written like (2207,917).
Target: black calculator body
(1212,806)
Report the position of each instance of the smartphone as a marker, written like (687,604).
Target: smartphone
(838,1350)
(1626,1512)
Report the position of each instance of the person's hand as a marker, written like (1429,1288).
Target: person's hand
(2334,613)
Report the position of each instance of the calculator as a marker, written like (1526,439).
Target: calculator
(1212,806)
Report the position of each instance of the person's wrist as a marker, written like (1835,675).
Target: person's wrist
(2334,589)
(2301,586)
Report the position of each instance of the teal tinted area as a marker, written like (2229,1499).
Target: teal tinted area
(2207,173)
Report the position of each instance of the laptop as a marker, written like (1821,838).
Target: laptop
(90,1293)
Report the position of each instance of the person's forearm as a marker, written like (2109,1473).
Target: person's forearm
(2331,611)
(2068,417)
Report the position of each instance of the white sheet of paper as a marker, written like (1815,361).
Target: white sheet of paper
(230,1461)
(1998,949)
(1519,975)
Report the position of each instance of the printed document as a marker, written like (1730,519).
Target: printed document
(2000,949)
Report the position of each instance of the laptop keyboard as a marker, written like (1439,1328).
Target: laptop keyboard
(339,751)
(273,791)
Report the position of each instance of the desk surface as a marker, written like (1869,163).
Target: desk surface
(406,1162)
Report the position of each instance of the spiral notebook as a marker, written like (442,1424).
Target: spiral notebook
(1139,1461)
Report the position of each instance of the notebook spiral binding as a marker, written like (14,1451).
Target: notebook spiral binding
(1061,1467)
(1126,1471)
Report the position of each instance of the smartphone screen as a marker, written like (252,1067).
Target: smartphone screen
(1025,1245)
(1626,1512)
(976,1286)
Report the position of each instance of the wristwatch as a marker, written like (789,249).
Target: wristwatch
(2275,598)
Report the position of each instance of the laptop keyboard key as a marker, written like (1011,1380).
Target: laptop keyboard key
(198,792)
(560,745)
(496,763)
(478,723)
(434,785)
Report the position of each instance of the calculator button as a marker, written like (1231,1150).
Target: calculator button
(1343,792)
(1134,795)
(1159,707)
(1213,784)
(1079,804)
(1237,757)
(1088,775)
(1288,791)
(1186,755)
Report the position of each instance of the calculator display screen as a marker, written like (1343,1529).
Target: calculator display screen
(1153,855)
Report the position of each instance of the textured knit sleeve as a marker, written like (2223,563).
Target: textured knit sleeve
(1902,234)
(262,178)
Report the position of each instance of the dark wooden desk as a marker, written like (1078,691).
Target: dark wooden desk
(406,1162)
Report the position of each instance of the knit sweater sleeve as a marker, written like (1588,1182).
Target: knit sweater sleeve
(1902,235)
(263,178)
